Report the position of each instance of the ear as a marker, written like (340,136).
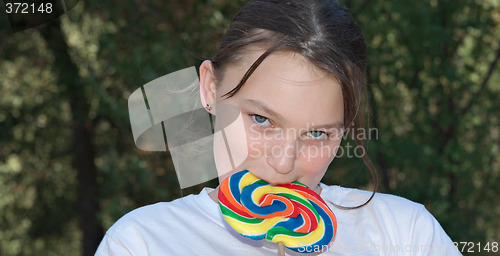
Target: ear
(207,86)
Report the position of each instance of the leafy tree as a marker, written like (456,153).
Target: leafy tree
(434,77)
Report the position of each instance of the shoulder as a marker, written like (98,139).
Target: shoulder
(351,197)
(139,230)
(387,212)
(388,220)
(168,213)
(385,209)
(152,214)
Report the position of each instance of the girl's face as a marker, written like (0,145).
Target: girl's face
(292,114)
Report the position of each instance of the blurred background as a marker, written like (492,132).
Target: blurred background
(69,167)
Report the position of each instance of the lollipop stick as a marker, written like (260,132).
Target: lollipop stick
(281,249)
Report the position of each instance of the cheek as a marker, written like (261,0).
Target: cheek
(256,141)
(239,145)
(315,159)
(230,146)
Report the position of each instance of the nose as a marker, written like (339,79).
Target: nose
(282,155)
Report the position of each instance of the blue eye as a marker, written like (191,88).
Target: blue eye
(260,120)
(318,134)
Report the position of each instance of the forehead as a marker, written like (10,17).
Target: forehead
(288,84)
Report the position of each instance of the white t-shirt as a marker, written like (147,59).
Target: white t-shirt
(194,225)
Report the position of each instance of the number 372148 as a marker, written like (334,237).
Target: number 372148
(27,8)
(476,247)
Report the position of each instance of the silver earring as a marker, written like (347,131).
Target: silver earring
(208,107)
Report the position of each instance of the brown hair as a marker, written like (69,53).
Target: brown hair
(323,31)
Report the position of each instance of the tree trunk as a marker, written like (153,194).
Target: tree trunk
(71,87)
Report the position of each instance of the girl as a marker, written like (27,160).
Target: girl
(295,71)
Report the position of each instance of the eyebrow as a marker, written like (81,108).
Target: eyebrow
(278,117)
(336,125)
(263,107)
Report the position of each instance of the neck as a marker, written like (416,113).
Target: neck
(215,194)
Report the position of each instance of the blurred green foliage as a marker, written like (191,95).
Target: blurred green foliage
(434,76)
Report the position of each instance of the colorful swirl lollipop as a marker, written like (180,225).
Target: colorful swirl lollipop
(290,213)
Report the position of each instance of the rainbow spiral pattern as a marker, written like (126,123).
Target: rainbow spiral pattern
(289,213)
